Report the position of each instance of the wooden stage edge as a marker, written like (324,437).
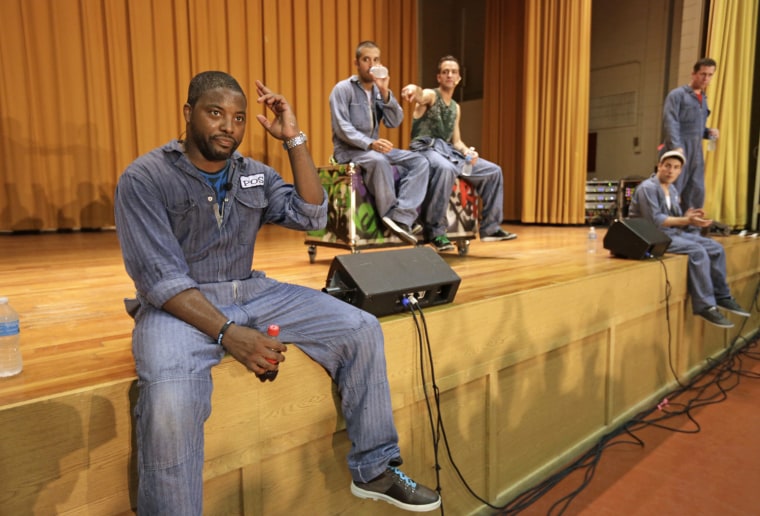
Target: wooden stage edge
(545,348)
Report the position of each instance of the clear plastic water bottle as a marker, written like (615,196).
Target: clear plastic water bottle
(711,143)
(591,240)
(467,169)
(379,71)
(10,353)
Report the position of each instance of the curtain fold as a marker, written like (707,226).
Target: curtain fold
(555,125)
(731,37)
(535,113)
(503,96)
(89,85)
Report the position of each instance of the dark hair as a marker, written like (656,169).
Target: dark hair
(205,81)
(363,45)
(705,61)
(448,58)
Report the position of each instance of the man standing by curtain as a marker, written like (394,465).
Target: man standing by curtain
(685,115)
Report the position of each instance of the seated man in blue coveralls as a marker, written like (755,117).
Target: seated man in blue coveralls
(358,105)
(656,199)
(187,217)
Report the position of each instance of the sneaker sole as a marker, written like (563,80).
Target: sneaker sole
(737,312)
(511,236)
(396,229)
(719,325)
(446,247)
(372,495)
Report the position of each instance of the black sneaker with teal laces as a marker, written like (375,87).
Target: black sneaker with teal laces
(394,487)
(713,316)
(498,236)
(730,304)
(442,243)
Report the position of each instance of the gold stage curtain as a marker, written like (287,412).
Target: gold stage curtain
(547,149)
(502,138)
(731,37)
(89,85)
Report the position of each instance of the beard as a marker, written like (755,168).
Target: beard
(210,151)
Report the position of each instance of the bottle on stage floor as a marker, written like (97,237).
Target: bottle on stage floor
(10,353)
(591,240)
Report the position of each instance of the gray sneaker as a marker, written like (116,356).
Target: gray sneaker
(394,487)
(713,316)
(730,304)
(498,236)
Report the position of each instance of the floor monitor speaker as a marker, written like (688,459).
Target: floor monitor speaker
(379,281)
(635,238)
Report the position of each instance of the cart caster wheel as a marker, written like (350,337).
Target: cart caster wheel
(463,246)
(312,253)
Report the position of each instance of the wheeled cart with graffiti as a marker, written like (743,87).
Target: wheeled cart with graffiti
(353,223)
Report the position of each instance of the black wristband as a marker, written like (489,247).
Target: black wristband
(224,329)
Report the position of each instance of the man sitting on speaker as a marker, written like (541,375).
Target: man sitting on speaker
(188,245)
(656,200)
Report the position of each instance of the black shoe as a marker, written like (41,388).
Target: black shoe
(394,487)
(730,304)
(713,316)
(442,243)
(400,230)
(498,235)
(416,228)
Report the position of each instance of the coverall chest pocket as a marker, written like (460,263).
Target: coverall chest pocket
(692,115)
(361,116)
(248,212)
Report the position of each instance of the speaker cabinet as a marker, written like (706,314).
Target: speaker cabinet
(635,238)
(379,281)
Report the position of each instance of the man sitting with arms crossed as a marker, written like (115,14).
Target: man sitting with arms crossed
(656,200)
(435,134)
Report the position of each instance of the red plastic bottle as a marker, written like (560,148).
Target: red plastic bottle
(273,331)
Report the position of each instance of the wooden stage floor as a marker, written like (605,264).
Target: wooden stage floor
(555,337)
(68,289)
